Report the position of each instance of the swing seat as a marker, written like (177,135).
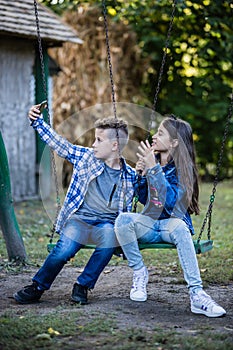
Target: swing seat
(202,246)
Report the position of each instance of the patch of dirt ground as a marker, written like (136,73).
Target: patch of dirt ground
(167,306)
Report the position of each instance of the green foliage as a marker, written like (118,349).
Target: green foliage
(198,74)
(59,6)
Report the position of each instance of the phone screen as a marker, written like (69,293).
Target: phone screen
(43,105)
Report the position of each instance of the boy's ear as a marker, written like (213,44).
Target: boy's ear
(115,146)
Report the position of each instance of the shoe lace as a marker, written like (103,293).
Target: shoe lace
(139,282)
(32,286)
(206,301)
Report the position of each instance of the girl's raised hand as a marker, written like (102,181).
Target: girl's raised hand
(140,166)
(146,156)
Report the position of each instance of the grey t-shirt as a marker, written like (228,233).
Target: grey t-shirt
(101,199)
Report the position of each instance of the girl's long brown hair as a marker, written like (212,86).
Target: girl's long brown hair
(184,156)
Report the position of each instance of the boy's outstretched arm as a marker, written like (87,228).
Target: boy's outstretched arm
(59,144)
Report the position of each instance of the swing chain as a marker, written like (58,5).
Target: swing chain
(111,77)
(40,51)
(109,58)
(135,203)
(58,201)
(152,117)
(216,179)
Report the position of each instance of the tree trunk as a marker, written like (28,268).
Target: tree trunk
(8,222)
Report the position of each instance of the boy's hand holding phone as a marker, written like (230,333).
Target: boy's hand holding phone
(36,110)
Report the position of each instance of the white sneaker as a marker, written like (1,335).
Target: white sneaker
(202,303)
(138,289)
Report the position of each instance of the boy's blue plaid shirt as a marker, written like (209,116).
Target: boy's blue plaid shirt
(85,168)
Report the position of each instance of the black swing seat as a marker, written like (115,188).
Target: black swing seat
(201,246)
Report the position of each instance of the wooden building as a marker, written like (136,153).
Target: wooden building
(21,86)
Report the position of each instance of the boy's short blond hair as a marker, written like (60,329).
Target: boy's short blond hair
(112,123)
(118,129)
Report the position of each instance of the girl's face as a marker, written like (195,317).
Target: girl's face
(161,141)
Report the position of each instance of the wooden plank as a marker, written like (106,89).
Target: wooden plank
(16,66)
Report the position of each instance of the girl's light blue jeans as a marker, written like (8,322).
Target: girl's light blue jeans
(75,235)
(132,228)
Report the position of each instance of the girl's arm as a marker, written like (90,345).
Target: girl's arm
(163,183)
(166,186)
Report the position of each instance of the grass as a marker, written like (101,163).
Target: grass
(73,329)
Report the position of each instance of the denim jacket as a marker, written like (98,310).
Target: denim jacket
(165,195)
(86,167)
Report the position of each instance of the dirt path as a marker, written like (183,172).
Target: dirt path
(167,305)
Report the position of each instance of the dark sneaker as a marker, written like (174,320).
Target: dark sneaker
(29,294)
(79,294)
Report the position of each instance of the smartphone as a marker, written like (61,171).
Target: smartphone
(42,106)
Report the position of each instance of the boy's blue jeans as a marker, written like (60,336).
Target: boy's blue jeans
(74,236)
(132,228)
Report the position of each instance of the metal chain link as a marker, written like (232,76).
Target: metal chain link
(109,58)
(157,90)
(58,200)
(40,51)
(153,113)
(113,93)
(208,215)
(110,68)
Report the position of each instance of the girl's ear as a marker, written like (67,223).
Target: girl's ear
(175,143)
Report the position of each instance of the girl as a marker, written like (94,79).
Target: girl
(172,181)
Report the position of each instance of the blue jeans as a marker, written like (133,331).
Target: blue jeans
(74,236)
(132,228)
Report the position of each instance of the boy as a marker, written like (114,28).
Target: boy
(101,187)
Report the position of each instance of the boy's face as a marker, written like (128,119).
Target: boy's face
(104,148)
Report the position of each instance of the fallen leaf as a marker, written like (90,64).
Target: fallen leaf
(52,331)
(108,271)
